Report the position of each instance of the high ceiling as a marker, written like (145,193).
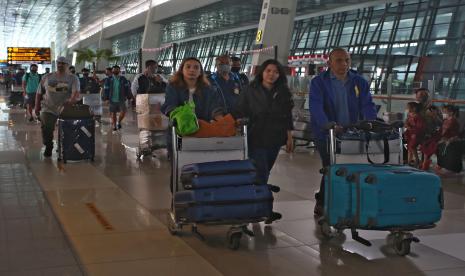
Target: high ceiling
(36,23)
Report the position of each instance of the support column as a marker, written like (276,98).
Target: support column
(103,63)
(52,56)
(151,38)
(275,29)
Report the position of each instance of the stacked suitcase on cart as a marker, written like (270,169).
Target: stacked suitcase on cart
(151,122)
(222,192)
(387,196)
(76,134)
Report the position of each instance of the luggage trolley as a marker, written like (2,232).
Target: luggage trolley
(152,124)
(188,150)
(400,237)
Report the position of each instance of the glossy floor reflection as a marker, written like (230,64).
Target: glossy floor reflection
(113,212)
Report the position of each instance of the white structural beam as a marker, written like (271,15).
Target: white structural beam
(275,29)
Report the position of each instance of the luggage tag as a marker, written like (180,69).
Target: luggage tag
(87,132)
(79,148)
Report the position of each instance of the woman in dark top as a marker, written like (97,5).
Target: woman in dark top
(267,103)
(190,84)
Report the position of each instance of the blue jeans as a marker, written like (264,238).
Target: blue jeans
(264,160)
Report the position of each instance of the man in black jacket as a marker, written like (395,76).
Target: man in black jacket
(148,82)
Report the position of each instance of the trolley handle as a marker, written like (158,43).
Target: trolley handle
(368,126)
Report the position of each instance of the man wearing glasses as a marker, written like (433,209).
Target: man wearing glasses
(61,88)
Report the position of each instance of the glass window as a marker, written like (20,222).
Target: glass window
(403,34)
(443,18)
(440,31)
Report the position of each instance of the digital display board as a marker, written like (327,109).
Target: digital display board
(20,55)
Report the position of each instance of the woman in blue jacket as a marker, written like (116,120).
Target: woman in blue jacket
(190,84)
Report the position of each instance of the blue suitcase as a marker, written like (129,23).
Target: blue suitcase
(223,204)
(76,139)
(216,168)
(211,181)
(381,197)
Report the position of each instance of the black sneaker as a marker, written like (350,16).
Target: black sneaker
(48,151)
(274,216)
(31,119)
(115,129)
(274,188)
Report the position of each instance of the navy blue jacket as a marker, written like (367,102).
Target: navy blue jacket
(125,89)
(322,102)
(207,104)
(227,95)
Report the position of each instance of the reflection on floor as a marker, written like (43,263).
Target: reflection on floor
(113,213)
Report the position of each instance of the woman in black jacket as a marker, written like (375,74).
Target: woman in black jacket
(267,103)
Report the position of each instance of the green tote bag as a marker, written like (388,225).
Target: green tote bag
(186,120)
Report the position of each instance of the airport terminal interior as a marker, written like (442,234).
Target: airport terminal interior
(113,214)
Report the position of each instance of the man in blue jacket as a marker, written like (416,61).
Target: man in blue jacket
(117,90)
(337,95)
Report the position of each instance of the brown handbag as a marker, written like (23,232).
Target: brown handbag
(224,127)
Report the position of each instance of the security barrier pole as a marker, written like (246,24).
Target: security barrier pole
(389,94)
(140,61)
(175,59)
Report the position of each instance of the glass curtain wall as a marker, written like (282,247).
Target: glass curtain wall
(126,47)
(207,48)
(405,43)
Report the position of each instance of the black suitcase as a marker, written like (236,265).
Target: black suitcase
(16,98)
(76,139)
(450,155)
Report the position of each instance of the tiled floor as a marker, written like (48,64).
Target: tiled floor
(108,218)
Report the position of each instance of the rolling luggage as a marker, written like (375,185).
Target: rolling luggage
(216,168)
(382,196)
(393,198)
(16,98)
(233,203)
(212,181)
(76,139)
(450,155)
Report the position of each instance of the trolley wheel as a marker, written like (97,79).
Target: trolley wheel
(325,228)
(173,227)
(234,240)
(402,247)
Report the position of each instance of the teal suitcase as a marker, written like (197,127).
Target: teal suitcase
(366,196)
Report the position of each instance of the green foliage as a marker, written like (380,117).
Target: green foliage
(94,57)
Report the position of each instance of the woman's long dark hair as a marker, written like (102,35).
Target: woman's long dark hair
(280,82)
(178,78)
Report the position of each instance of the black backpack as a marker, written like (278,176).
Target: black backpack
(145,87)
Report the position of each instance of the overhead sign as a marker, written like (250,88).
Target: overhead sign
(20,55)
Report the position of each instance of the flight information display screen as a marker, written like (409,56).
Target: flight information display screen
(20,55)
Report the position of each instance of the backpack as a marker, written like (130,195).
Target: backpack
(149,86)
